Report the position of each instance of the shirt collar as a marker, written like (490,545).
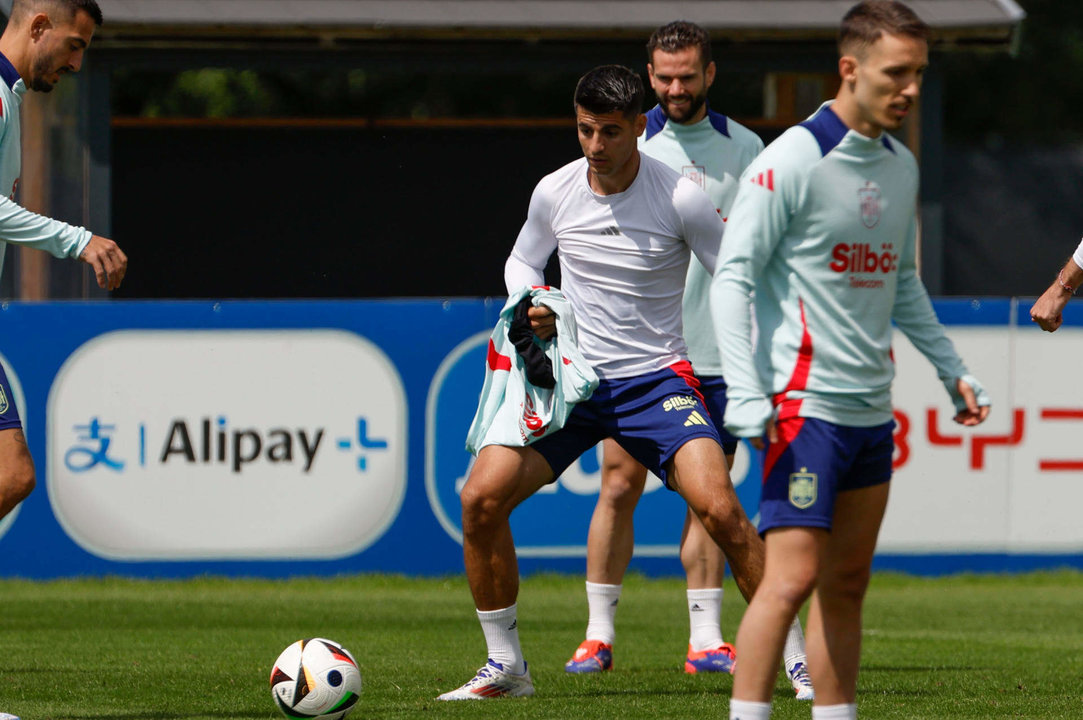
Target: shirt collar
(8,72)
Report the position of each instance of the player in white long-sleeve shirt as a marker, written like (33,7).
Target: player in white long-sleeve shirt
(624,226)
(43,40)
(1048,310)
(823,229)
(712,150)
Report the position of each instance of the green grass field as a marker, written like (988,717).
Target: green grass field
(960,647)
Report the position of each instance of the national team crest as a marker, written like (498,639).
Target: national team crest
(870,204)
(802,489)
(4,404)
(697,174)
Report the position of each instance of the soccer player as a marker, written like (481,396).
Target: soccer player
(623,225)
(43,40)
(713,151)
(823,230)
(1047,310)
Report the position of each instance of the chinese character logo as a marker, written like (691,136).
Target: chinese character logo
(94,448)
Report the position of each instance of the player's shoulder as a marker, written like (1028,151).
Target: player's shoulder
(735,132)
(795,150)
(657,172)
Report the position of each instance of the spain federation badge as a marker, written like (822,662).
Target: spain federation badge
(870,204)
(802,489)
(697,174)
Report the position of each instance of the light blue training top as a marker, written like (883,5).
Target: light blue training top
(17,224)
(823,230)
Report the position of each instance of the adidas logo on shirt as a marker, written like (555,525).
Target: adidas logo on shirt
(611,230)
(765,179)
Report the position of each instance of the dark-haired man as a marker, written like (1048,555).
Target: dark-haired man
(625,226)
(823,230)
(43,40)
(712,150)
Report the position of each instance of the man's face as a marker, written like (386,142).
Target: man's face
(58,47)
(608,140)
(680,81)
(887,79)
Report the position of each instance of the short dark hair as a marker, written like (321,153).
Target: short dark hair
(679,35)
(22,9)
(610,88)
(869,19)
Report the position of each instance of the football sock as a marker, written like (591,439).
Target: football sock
(834,712)
(794,650)
(501,630)
(704,608)
(743,710)
(602,601)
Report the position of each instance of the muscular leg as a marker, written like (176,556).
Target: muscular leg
(703,560)
(501,478)
(16,470)
(611,539)
(698,472)
(790,575)
(834,623)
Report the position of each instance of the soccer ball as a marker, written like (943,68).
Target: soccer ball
(315,678)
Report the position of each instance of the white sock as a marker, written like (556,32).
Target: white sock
(501,628)
(704,609)
(744,710)
(794,650)
(834,712)
(602,601)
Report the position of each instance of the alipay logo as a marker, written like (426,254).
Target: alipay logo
(193,452)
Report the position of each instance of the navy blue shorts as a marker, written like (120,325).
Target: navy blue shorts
(9,414)
(713,388)
(812,462)
(651,416)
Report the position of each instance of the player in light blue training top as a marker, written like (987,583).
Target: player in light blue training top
(712,150)
(823,230)
(43,40)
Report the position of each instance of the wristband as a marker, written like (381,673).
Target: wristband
(1060,281)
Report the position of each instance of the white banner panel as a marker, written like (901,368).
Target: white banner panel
(187,445)
(1013,484)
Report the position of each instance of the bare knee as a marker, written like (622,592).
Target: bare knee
(622,483)
(482,511)
(845,584)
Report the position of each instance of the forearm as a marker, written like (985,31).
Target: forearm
(21,226)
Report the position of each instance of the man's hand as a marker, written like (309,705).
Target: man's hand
(543,322)
(974,414)
(1047,310)
(770,432)
(108,260)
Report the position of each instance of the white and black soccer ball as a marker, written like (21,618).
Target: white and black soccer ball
(315,678)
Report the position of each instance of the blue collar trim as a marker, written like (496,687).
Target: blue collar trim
(8,72)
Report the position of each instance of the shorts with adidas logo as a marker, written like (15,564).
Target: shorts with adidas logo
(812,462)
(650,415)
(9,415)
